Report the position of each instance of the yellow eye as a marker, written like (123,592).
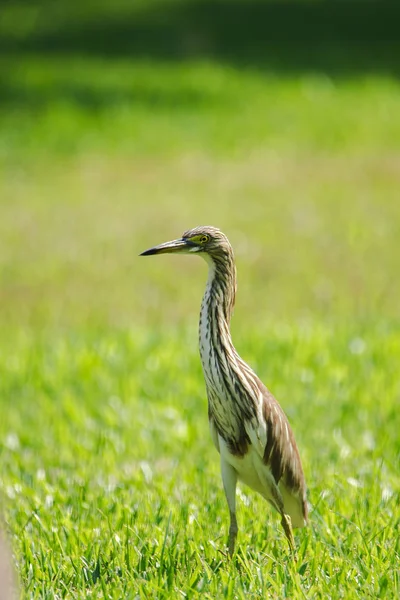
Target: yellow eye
(204,239)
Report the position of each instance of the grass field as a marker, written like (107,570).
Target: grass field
(110,486)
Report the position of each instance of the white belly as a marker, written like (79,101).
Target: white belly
(253,472)
(245,467)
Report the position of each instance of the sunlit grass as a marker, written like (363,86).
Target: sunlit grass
(111,483)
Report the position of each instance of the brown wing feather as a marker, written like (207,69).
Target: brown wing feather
(281,453)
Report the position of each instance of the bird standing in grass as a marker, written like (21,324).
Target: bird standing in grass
(248,426)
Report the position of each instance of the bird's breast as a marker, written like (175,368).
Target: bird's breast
(244,466)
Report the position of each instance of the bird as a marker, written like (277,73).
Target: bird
(248,426)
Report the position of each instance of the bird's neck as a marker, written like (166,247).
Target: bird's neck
(220,293)
(229,381)
(215,315)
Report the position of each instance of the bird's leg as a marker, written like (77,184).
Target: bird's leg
(287,527)
(229,479)
(233,529)
(286,521)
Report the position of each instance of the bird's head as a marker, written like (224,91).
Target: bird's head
(204,240)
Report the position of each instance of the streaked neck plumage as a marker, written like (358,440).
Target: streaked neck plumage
(230,382)
(221,283)
(217,307)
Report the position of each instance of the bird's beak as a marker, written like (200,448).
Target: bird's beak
(180,245)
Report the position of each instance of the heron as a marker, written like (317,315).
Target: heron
(248,426)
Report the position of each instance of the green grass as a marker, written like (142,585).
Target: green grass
(110,486)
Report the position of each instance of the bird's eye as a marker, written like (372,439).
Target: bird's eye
(204,239)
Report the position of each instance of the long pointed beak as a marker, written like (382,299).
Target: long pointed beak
(180,245)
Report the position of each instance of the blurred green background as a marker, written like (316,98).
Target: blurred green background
(122,124)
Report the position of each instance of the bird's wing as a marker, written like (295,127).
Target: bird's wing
(271,436)
(256,430)
(268,411)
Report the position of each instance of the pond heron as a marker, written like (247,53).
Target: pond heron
(248,427)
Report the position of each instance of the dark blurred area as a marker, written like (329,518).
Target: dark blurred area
(338,37)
